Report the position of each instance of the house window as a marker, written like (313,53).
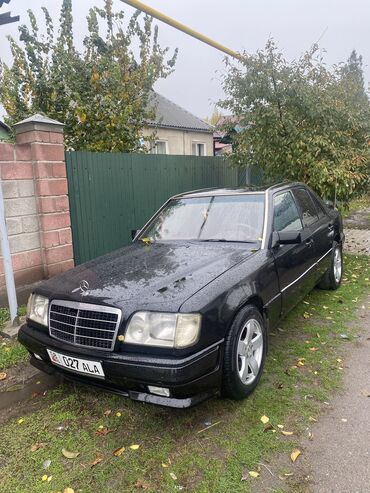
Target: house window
(198,149)
(159,147)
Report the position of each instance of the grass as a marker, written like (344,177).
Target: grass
(11,352)
(173,455)
(357,204)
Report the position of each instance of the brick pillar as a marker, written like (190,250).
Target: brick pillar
(41,140)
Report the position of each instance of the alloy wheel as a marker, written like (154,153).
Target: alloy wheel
(249,351)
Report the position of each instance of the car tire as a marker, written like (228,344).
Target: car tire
(333,276)
(243,358)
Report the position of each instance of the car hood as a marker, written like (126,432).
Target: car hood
(159,276)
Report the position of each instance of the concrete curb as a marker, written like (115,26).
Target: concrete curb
(11,330)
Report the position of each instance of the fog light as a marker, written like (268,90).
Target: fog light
(37,356)
(159,390)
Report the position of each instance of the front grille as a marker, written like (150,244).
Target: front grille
(84,324)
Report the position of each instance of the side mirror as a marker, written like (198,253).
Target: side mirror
(329,204)
(286,238)
(134,232)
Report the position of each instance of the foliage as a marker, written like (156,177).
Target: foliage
(301,120)
(215,117)
(102,94)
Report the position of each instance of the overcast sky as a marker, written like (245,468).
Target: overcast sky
(238,24)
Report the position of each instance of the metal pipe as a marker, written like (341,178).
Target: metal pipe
(181,27)
(7,259)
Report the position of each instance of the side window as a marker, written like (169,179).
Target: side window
(286,215)
(308,208)
(318,204)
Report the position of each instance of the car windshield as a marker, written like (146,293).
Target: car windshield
(215,218)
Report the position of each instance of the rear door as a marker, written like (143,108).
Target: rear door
(294,263)
(318,223)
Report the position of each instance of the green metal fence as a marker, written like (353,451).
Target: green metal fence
(112,193)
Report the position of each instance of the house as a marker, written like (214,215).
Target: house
(5,133)
(177,131)
(226,127)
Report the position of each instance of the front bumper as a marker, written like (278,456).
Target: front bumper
(190,380)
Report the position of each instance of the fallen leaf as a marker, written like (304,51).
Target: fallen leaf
(37,446)
(103,432)
(280,426)
(3,375)
(50,478)
(20,421)
(306,315)
(164,465)
(295,454)
(288,474)
(314,349)
(134,447)
(142,484)
(173,476)
(68,490)
(44,477)
(287,433)
(265,419)
(70,455)
(254,474)
(119,451)
(107,412)
(118,414)
(97,460)
(268,427)
(310,435)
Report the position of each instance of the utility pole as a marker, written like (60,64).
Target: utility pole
(181,27)
(7,260)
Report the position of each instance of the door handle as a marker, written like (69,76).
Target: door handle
(309,242)
(331,227)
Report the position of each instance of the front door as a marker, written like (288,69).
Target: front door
(294,263)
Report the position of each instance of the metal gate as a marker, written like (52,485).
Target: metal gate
(112,193)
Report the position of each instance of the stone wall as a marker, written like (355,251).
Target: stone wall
(35,189)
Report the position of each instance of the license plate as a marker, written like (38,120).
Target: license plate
(78,365)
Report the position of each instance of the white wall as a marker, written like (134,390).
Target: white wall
(180,141)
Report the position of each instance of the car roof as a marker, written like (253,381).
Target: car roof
(206,192)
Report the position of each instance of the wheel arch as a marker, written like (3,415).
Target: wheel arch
(257,302)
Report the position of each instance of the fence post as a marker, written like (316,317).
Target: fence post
(45,138)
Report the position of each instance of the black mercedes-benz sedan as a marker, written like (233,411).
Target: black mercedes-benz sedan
(183,313)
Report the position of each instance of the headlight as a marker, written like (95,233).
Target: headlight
(37,309)
(176,330)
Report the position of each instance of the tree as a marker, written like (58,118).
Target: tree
(299,120)
(215,117)
(102,94)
